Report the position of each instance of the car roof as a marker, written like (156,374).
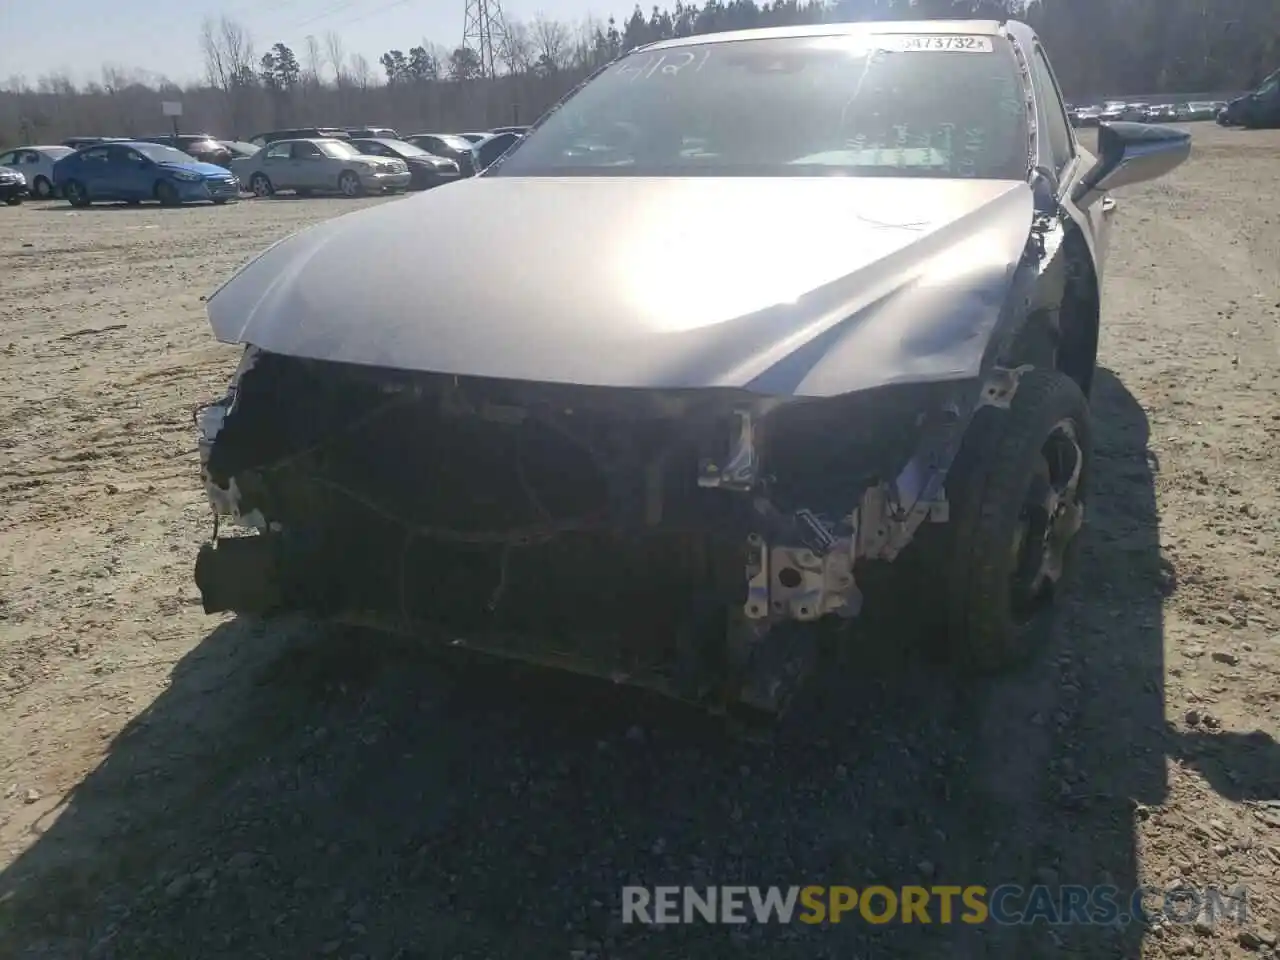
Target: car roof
(989,28)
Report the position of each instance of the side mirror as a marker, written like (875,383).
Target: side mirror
(1130,153)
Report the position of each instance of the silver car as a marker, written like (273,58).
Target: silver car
(319,165)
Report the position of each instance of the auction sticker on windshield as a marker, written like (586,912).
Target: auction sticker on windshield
(948,43)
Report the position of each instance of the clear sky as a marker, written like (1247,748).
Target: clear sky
(163,36)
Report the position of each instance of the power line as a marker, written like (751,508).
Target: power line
(485,31)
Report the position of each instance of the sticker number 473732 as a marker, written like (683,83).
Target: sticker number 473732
(951,43)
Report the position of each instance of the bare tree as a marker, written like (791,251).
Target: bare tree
(312,60)
(115,78)
(336,53)
(228,53)
(550,42)
(516,52)
(230,64)
(361,72)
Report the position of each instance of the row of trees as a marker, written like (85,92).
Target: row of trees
(1100,47)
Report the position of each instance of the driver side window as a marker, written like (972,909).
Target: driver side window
(119,156)
(305,151)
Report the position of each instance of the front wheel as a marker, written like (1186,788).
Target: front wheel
(167,194)
(76,194)
(349,184)
(42,188)
(260,185)
(14,199)
(1017,493)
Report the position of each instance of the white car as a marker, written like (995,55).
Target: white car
(36,164)
(319,165)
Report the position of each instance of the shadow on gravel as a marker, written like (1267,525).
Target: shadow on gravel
(299,792)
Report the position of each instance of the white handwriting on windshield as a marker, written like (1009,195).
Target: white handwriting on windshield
(664,65)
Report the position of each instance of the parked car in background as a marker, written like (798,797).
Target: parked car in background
(36,166)
(576,464)
(1160,113)
(1085,116)
(240,148)
(426,170)
(202,146)
(76,143)
(451,146)
(298,133)
(374,133)
(1260,109)
(320,164)
(488,150)
(137,170)
(13,186)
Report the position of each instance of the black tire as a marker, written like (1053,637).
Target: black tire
(260,185)
(76,194)
(349,184)
(219,201)
(167,194)
(14,200)
(998,487)
(41,188)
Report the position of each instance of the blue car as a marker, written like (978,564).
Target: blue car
(134,171)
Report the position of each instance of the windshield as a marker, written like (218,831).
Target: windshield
(57,153)
(162,154)
(403,148)
(862,105)
(338,149)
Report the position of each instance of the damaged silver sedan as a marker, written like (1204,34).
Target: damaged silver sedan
(744,322)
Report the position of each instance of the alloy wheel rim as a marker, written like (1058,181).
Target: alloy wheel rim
(1051,517)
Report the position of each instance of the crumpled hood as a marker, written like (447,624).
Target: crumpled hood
(811,286)
(205,170)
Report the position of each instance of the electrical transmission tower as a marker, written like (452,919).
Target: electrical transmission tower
(485,32)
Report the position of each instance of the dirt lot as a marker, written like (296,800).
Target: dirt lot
(173,785)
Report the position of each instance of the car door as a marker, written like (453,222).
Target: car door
(37,164)
(275,162)
(132,173)
(311,168)
(1071,161)
(94,172)
(28,162)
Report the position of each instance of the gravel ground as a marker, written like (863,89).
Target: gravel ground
(175,785)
